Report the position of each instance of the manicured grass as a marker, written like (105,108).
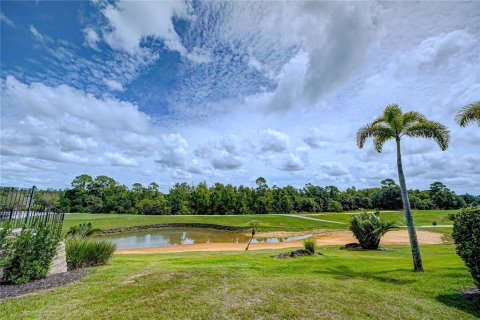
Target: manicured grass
(421,217)
(266,222)
(253,285)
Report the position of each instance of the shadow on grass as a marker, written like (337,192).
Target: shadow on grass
(346,273)
(455,300)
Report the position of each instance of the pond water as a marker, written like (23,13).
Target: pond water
(174,237)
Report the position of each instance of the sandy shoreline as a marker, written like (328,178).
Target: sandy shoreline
(326,238)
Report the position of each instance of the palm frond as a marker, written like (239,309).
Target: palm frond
(409,118)
(393,115)
(378,131)
(379,141)
(430,129)
(469,113)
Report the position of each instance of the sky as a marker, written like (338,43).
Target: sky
(226,92)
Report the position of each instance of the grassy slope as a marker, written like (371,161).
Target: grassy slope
(266,222)
(421,217)
(248,285)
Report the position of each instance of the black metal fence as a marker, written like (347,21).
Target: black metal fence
(19,208)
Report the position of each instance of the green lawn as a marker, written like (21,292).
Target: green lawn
(253,285)
(421,217)
(266,222)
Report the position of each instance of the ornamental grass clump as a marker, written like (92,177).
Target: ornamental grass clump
(310,245)
(369,228)
(84,252)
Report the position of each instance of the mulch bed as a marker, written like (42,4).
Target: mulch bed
(56,280)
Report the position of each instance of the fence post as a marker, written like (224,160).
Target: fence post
(30,203)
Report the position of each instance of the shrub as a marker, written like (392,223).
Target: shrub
(434,222)
(310,245)
(368,228)
(88,252)
(466,234)
(451,216)
(334,206)
(29,254)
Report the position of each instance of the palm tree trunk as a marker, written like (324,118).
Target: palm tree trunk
(417,259)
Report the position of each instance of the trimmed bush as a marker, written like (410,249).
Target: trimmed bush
(310,245)
(451,216)
(466,234)
(368,228)
(88,252)
(27,255)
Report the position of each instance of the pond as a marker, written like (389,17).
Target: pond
(175,236)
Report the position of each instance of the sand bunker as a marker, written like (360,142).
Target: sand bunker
(329,238)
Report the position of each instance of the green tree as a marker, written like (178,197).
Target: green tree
(469,113)
(82,181)
(394,124)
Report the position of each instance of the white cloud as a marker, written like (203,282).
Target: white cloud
(131,22)
(334,169)
(6,20)
(274,141)
(173,152)
(36,34)
(64,124)
(91,37)
(292,163)
(117,159)
(113,85)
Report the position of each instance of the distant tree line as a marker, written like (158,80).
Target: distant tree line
(105,195)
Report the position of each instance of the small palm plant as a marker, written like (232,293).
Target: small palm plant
(394,124)
(83,230)
(254,226)
(469,113)
(369,228)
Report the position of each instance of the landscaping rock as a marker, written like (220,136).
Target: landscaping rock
(470,293)
(296,253)
(352,246)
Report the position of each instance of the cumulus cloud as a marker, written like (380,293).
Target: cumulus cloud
(91,37)
(274,141)
(292,163)
(333,169)
(64,124)
(129,23)
(315,138)
(117,159)
(173,153)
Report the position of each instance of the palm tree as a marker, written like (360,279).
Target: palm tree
(254,226)
(83,230)
(469,113)
(369,228)
(394,124)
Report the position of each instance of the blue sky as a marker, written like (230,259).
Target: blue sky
(229,91)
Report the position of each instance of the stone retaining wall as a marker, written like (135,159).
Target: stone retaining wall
(175,225)
(59,262)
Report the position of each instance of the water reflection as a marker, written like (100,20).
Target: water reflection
(173,237)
